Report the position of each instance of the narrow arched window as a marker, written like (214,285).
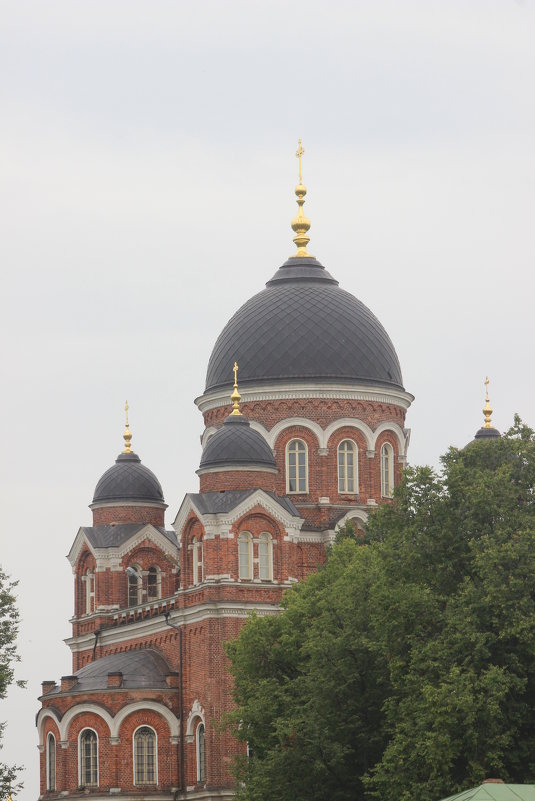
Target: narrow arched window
(296,466)
(265,557)
(145,756)
(387,470)
(135,586)
(347,467)
(89,579)
(198,560)
(201,753)
(245,555)
(88,758)
(50,762)
(153,584)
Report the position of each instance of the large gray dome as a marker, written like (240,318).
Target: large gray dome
(128,480)
(302,326)
(236,444)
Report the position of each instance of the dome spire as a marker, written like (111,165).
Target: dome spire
(235,397)
(487,409)
(301,223)
(127,436)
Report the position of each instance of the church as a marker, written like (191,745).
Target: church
(303,430)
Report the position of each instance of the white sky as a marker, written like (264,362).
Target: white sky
(146,188)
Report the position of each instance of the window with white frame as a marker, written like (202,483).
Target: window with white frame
(201,753)
(265,557)
(347,467)
(198,560)
(296,466)
(89,580)
(88,758)
(145,756)
(135,585)
(245,555)
(50,762)
(387,470)
(154,583)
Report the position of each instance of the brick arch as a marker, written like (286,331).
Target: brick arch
(81,709)
(349,422)
(143,706)
(394,429)
(293,422)
(42,715)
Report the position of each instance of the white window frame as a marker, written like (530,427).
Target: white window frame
(80,783)
(342,468)
(298,490)
(139,585)
(387,470)
(49,786)
(198,560)
(245,537)
(158,583)
(265,539)
(197,752)
(155,782)
(89,580)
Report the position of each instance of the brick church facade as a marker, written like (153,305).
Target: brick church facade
(312,435)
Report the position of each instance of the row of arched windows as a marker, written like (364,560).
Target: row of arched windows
(145,757)
(297,468)
(153,585)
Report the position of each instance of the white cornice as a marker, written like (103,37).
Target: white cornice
(236,468)
(271,392)
(188,616)
(113,556)
(226,519)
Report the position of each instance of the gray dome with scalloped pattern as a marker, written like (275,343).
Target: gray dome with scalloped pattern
(236,444)
(301,327)
(128,480)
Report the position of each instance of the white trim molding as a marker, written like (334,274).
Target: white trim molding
(269,392)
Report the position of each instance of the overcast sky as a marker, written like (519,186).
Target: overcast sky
(147,171)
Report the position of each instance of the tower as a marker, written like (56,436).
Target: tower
(304,428)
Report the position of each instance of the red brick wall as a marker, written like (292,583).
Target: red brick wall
(105,515)
(237,480)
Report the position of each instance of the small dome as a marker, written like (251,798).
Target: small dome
(303,327)
(128,480)
(485,433)
(236,444)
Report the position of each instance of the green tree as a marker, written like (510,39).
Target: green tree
(405,668)
(9,620)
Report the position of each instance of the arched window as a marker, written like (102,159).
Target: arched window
(347,467)
(145,756)
(198,560)
(135,586)
(154,584)
(88,758)
(201,753)
(296,466)
(245,556)
(387,470)
(50,762)
(89,579)
(265,557)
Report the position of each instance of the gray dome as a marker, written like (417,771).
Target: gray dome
(302,326)
(128,480)
(237,444)
(487,433)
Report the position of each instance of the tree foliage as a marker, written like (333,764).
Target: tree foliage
(9,620)
(404,668)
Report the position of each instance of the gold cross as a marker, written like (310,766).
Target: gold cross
(126,407)
(300,153)
(235,369)
(487,382)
